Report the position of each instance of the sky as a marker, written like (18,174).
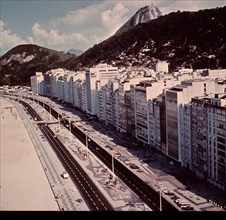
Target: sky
(65,24)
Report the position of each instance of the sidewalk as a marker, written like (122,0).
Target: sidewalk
(23,183)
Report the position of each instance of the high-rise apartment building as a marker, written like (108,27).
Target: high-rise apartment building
(79,91)
(157,123)
(106,95)
(176,98)
(125,104)
(145,119)
(37,83)
(199,140)
(93,75)
(216,111)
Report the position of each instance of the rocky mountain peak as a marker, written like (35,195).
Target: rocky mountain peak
(143,15)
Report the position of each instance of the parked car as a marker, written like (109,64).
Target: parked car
(188,208)
(133,166)
(79,200)
(122,158)
(127,162)
(117,155)
(174,197)
(140,171)
(168,192)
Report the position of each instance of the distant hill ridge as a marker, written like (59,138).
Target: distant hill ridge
(21,62)
(76,52)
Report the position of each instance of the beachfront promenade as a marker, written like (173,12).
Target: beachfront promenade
(23,183)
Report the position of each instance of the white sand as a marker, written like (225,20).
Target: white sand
(24,185)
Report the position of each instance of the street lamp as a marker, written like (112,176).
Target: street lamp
(160,200)
(160,196)
(112,163)
(114,179)
(50,112)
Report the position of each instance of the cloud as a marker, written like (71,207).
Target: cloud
(111,18)
(96,21)
(53,37)
(9,39)
(80,16)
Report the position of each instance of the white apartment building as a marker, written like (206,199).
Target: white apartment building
(184,77)
(217,73)
(199,138)
(55,80)
(176,98)
(51,81)
(161,67)
(216,111)
(69,77)
(79,90)
(67,87)
(37,83)
(122,114)
(124,101)
(144,120)
(102,94)
(83,96)
(79,93)
(157,123)
(107,106)
(186,135)
(102,71)
(60,88)
(99,85)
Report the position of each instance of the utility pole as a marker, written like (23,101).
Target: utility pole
(113,163)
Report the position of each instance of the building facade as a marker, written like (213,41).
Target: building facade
(216,112)
(102,71)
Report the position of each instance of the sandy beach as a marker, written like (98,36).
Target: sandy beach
(23,183)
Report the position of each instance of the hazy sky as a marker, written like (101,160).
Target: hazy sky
(66,24)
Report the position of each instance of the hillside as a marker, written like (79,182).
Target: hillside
(184,39)
(21,62)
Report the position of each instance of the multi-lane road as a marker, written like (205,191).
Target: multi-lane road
(94,197)
(142,189)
